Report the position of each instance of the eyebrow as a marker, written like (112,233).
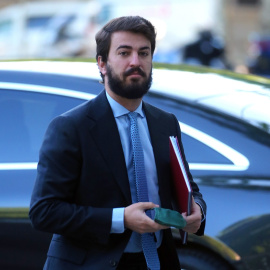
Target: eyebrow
(130,47)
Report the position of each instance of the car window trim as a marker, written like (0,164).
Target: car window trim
(46,90)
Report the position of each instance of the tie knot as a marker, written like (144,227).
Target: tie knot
(133,115)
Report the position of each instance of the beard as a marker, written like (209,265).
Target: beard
(135,89)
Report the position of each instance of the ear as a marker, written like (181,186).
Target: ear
(102,65)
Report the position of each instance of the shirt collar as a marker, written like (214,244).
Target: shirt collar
(119,110)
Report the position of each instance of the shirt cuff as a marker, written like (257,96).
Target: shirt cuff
(118,220)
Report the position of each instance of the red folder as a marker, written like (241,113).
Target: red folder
(181,184)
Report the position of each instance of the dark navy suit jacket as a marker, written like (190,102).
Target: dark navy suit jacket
(82,176)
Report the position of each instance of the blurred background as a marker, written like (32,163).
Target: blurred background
(225,34)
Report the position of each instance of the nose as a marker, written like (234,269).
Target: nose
(134,61)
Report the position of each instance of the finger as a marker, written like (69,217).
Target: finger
(147,205)
(154,226)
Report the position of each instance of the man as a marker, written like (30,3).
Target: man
(86,191)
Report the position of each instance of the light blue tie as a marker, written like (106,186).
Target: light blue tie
(147,239)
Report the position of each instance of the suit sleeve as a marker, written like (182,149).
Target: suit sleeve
(195,189)
(53,207)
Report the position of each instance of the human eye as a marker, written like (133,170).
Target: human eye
(144,53)
(123,53)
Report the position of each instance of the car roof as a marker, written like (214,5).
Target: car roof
(245,98)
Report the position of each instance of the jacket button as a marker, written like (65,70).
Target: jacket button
(113,263)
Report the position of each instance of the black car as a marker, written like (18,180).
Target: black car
(224,118)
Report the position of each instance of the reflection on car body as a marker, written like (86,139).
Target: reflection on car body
(228,154)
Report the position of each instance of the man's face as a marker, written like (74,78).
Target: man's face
(129,65)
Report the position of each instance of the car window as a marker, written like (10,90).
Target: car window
(204,153)
(24,117)
(37,22)
(203,137)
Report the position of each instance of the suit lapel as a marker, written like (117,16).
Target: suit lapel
(105,133)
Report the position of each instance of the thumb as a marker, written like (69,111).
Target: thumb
(184,215)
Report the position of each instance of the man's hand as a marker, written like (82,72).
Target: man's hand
(136,219)
(194,219)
